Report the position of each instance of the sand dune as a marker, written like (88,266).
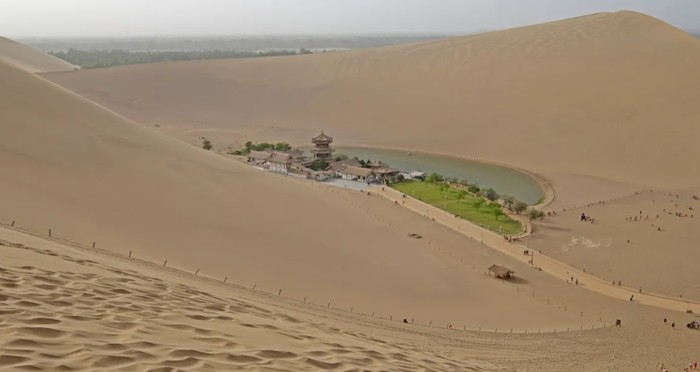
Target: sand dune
(71,308)
(64,312)
(333,270)
(91,176)
(608,95)
(31,59)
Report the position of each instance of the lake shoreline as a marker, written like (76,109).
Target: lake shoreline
(545,186)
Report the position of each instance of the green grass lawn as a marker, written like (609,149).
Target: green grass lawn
(448,200)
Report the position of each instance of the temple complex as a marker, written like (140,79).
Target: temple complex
(322,146)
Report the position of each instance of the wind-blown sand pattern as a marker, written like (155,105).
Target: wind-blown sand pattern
(145,229)
(77,309)
(91,316)
(92,176)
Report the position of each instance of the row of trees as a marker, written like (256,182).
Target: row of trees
(106,58)
(509,202)
(263,146)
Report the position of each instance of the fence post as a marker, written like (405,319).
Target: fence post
(431,324)
(165,263)
(196,272)
(93,245)
(254,285)
(225,279)
(329,305)
(49,232)
(13,223)
(304,299)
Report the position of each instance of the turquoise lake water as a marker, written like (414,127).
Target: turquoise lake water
(504,180)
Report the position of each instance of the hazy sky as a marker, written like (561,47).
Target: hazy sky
(219,17)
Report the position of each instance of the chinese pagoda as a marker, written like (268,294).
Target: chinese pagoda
(322,146)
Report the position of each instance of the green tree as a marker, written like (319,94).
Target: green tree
(341,157)
(497,212)
(461,194)
(519,207)
(282,146)
(491,194)
(508,201)
(206,144)
(434,178)
(534,214)
(474,189)
(319,165)
(478,203)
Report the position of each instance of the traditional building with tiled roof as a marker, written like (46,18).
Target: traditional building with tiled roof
(322,146)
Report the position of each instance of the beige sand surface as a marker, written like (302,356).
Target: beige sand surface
(92,176)
(607,96)
(572,275)
(31,59)
(73,308)
(664,260)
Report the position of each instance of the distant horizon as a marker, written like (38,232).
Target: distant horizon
(212,18)
(694,32)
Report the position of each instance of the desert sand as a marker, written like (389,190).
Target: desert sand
(647,240)
(91,176)
(606,97)
(320,277)
(31,59)
(70,307)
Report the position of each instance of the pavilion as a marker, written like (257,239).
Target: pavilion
(502,272)
(322,146)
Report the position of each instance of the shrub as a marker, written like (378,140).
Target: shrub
(534,214)
(474,189)
(491,194)
(434,178)
(519,207)
(508,201)
(206,144)
(282,146)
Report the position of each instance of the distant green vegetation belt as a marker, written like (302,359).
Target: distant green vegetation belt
(107,58)
(462,204)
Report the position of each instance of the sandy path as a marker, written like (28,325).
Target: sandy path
(547,264)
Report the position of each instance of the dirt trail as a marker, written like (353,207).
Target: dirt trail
(541,261)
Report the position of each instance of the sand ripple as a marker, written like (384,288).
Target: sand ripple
(98,317)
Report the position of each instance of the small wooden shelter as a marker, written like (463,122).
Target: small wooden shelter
(502,272)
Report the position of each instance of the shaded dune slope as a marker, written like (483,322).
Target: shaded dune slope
(90,175)
(609,95)
(31,59)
